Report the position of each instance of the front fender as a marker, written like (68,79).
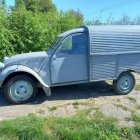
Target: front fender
(20,68)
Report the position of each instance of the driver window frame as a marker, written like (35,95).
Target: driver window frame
(58,54)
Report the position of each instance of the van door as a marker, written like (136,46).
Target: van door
(69,63)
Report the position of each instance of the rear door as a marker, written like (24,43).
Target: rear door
(69,63)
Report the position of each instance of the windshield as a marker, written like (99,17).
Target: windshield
(55,42)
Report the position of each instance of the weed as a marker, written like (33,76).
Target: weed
(41,111)
(133,100)
(75,103)
(118,100)
(136,118)
(138,107)
(53,108)
(122,107)
(137,87)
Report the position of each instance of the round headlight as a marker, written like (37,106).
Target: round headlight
(2,66)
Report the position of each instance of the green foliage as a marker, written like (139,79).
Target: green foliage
(29,128)
(20,5)
(78,127)
(40,5)
(6,36)
(33,25)
(34,32)
(71,19)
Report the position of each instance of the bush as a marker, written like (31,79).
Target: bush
(23,31)
(6,36)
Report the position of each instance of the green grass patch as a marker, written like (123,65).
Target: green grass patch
(122,107)
(137,87)
(75,103)
(136,118)
(53,108)
(26,128)
(132,99)
(138,107)
(78,127)
(41,111)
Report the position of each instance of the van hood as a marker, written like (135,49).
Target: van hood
(33,60)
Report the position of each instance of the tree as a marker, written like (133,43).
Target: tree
(137,20)
(31,5)
(40,5)
(6,36)
(46,6)
(125,20)
(32,26)
(19,5)
(2,4)
(71,19)
(34,31)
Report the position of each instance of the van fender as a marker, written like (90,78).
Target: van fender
(20,68)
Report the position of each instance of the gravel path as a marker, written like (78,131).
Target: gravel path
(68,100)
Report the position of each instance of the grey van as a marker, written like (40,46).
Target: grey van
(82,55)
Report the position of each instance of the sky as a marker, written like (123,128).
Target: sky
(99,9)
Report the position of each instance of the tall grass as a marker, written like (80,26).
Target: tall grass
(79,127)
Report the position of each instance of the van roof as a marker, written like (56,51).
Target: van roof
(115,28)
(77,30)
(103,28)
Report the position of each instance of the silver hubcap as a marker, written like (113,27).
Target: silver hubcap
(21,90)
(125,84)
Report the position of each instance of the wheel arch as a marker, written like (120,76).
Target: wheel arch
(126,71)
(11,75)
(11,71)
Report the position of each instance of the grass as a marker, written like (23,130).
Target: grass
(137,87)
(133,100)
(22,128)
(118,100)
(53,108)
(122,106)
(136,118)
(89,102)
(78,127)
(138,107)
(75,105)
(41,111)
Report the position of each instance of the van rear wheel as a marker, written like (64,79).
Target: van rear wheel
(20,89)
(124,84)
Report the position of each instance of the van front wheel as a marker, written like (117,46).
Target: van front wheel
(20,89)
(124,84)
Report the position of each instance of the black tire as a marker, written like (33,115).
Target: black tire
(117,83)
(18,78)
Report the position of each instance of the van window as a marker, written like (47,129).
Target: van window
(55,42)
(74,44)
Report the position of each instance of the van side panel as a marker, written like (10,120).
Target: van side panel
(102,42)
(128,62)
(113,49)
(103,67)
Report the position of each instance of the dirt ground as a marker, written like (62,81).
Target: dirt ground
(68,100)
